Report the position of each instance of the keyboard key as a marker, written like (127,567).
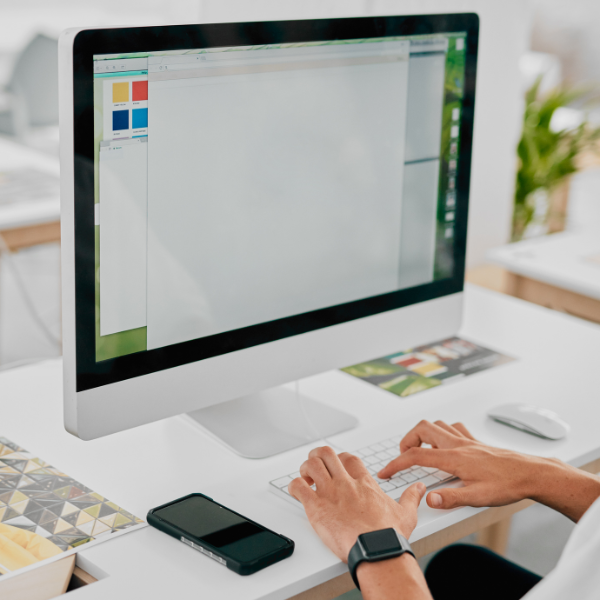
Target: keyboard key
(419,473)
(442,475)
(389,444)
(285,489)
(383,456)
(386,486)
(397,439)
(282,481)
(409,477)
(430,480)
(357,453)
(380,465)
(405,471)
(378,480)
(377,448)
(295,475)
(370,460)
(366,451)
(429,469)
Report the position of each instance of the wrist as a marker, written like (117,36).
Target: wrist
(374,570)
(382,580)
(536,476)
(546,475)
(564,488)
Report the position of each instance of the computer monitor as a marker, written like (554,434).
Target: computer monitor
(247,204)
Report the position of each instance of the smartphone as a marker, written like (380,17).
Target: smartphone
(220,533)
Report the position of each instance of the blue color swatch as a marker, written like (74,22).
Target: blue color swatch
(139,118)
(120,120)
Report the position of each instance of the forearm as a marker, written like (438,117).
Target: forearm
(566,489)
(392,579)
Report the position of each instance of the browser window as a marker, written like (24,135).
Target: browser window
(237,186)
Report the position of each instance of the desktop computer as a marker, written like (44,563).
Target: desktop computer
(247,204)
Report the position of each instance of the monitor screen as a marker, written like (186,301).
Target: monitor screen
(240,185)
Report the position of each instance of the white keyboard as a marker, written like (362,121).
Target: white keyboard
(375,458)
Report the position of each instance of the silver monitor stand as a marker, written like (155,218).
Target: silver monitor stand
(270,422)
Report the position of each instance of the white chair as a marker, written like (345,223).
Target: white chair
(30,100)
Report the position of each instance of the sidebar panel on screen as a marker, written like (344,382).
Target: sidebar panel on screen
(121,105)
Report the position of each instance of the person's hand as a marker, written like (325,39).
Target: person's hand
(491,476)
(347,500)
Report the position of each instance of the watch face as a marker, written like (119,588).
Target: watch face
(380,542)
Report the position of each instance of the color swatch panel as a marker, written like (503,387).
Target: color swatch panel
(411,371)
(139,118)
(120,92)
(121,120)
(139,91)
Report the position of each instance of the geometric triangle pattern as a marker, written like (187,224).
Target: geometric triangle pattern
(38,498)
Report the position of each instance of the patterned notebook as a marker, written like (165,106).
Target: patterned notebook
(44,513)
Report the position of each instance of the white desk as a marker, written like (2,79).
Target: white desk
(561,271)
(142,468)
(566,260)
(34,222)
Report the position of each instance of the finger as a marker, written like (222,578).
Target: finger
(412,496)
(308,479)
(314,470)
(354,466)
(448,428)
(460,427)
(302,491)
(427,433)
(330,459)
(424,457)
(455,497)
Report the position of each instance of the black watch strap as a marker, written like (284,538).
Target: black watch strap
(359,553)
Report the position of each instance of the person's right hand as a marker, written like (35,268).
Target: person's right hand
(491,476)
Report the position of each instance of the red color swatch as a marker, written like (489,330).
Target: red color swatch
(139,90)
(407,362)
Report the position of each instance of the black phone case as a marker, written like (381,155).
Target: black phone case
(241,568)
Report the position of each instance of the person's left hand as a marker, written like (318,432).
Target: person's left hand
(347,500)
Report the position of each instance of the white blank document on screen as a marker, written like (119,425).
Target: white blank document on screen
(123,218)
(272,194)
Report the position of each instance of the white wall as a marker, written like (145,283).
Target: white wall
(22,19)
(570,31)
(504,36)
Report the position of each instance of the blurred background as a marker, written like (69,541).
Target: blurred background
(536,168)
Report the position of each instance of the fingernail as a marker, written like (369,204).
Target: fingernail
(421,487)
(436,499)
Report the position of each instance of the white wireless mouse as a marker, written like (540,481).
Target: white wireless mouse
(531,419)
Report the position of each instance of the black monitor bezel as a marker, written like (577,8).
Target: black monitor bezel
(87,43)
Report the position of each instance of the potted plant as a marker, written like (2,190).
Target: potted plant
(547,157)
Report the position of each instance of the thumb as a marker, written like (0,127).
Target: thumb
(452,497)
(412,496)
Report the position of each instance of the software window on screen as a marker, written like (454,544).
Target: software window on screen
(263,182)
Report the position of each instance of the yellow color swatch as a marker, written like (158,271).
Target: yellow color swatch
(121,92)
(427,368)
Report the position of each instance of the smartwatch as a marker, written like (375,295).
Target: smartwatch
(376,546)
